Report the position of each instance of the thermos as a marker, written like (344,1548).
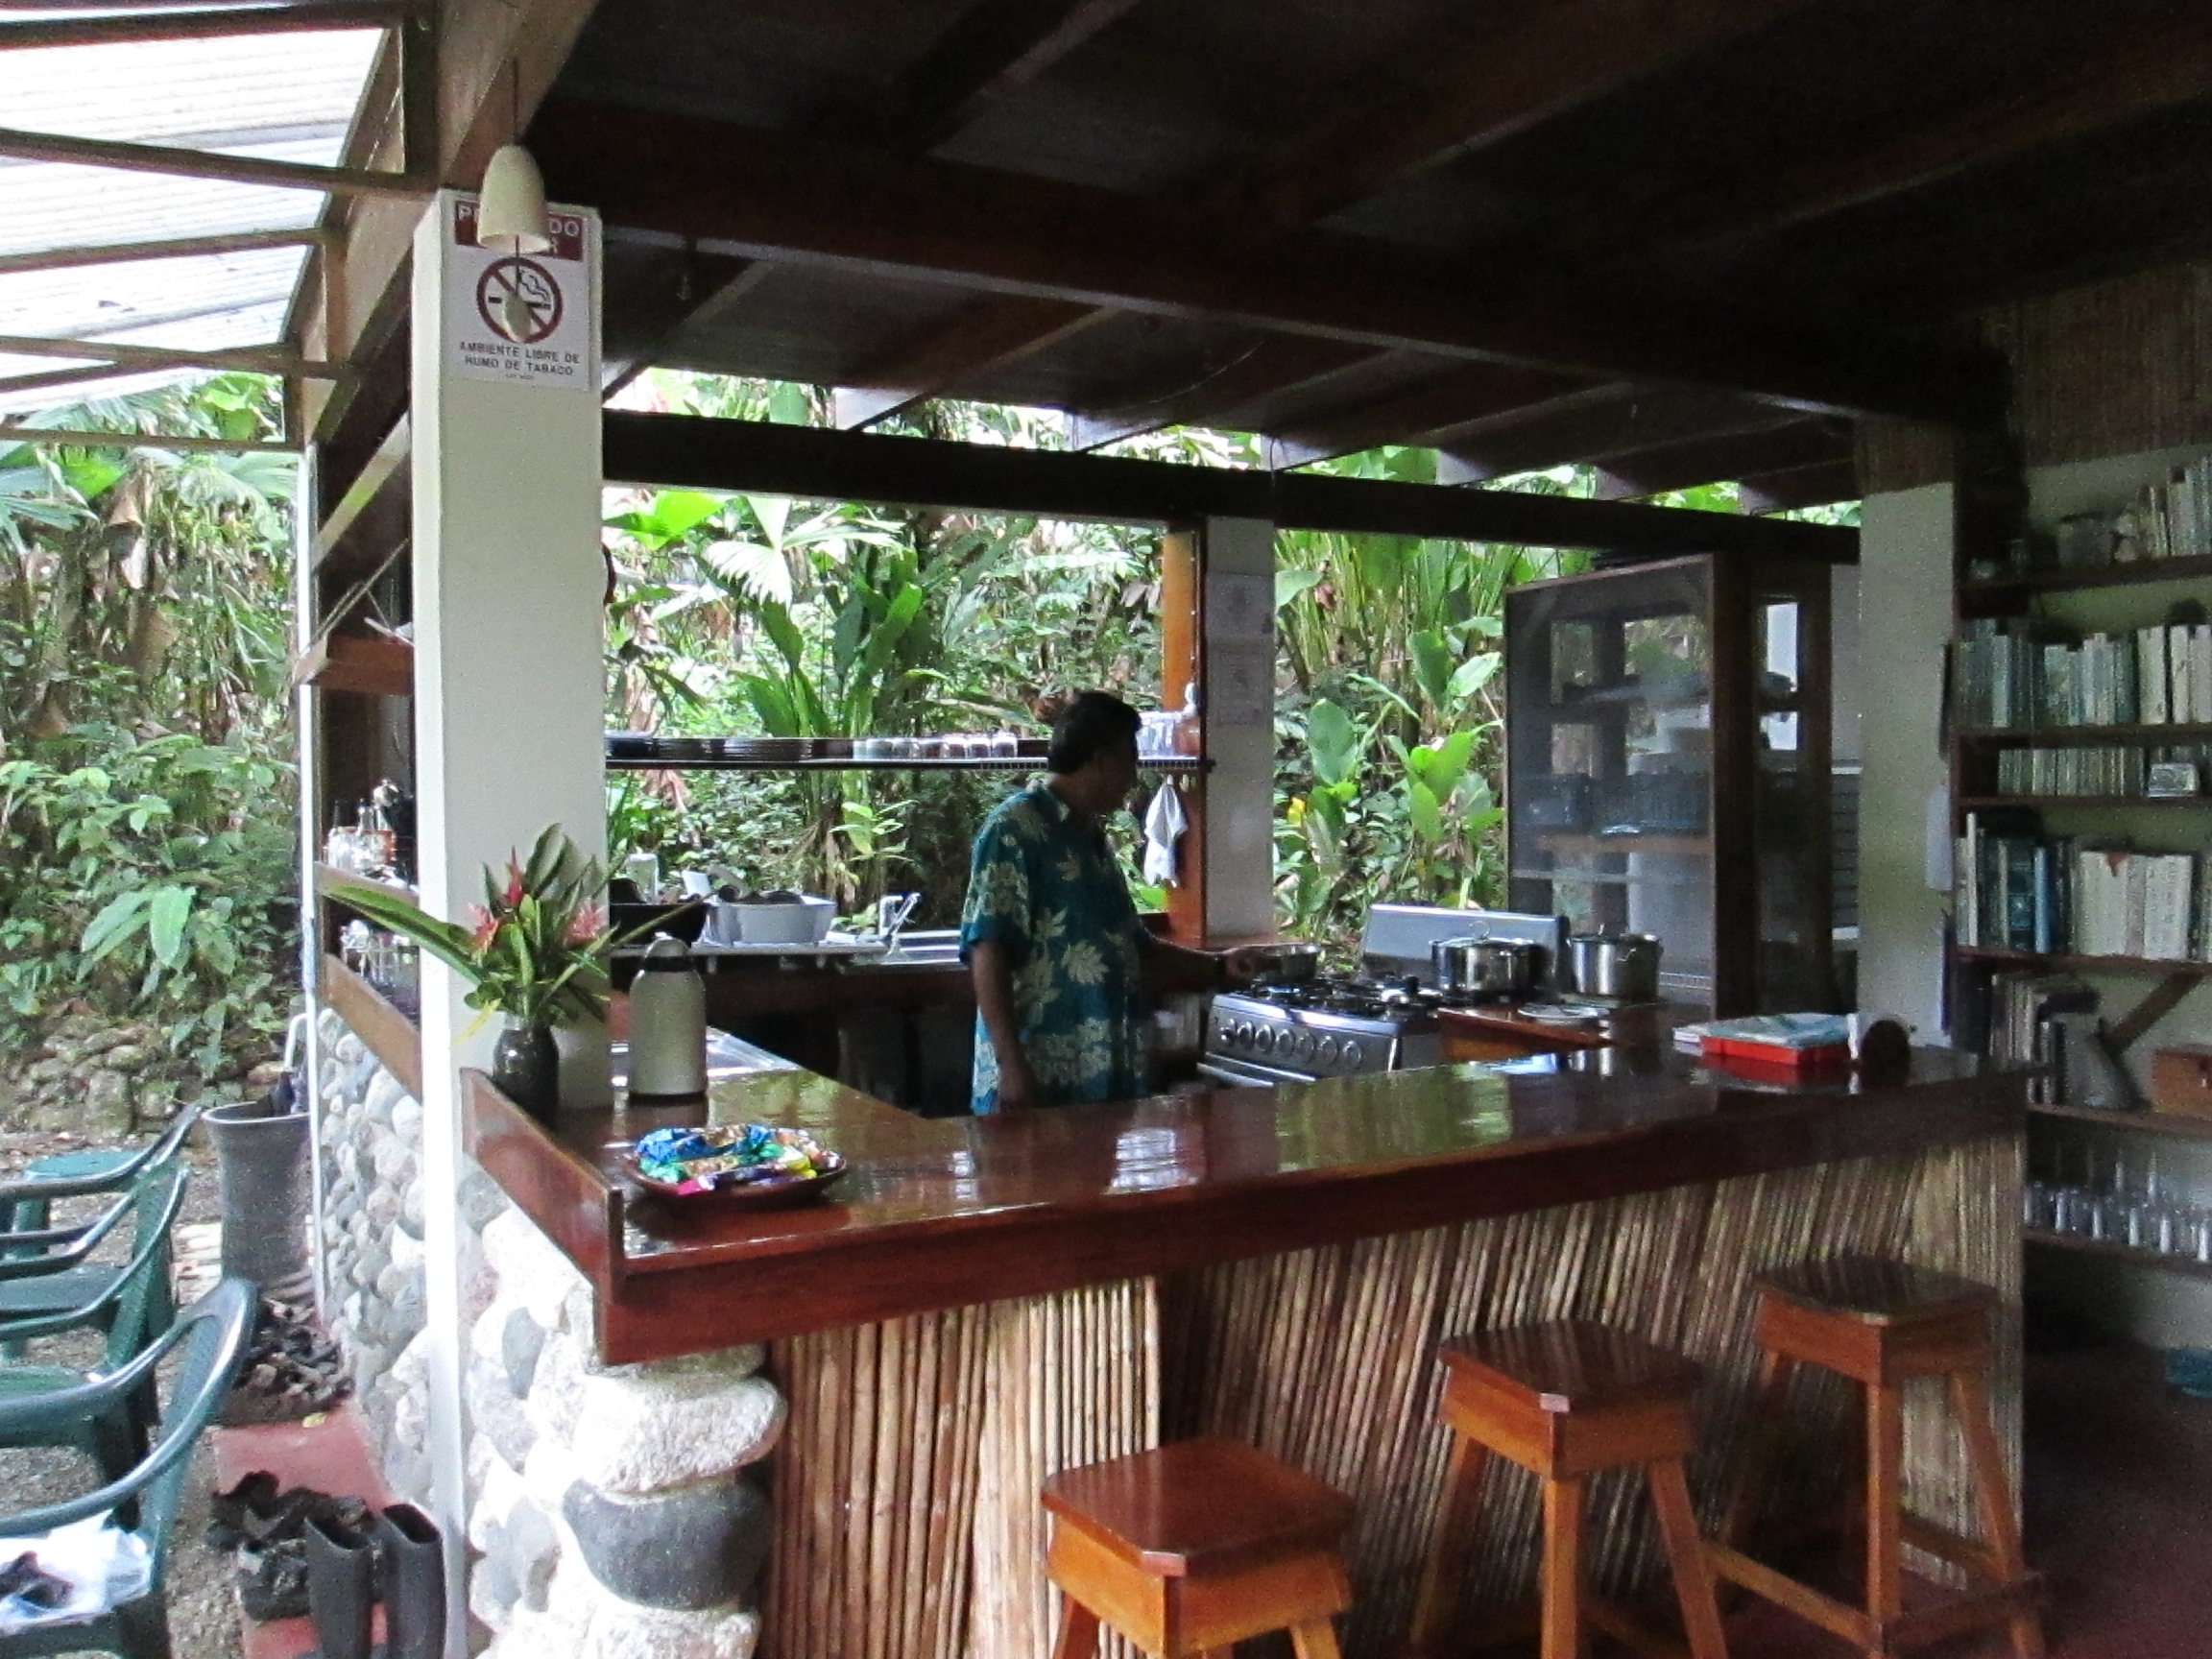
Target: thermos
(667,1027)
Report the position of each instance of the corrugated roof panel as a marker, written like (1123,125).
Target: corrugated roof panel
(48,204)
(111,301)
(217,93)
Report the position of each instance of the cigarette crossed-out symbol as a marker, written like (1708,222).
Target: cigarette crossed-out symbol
(520,299)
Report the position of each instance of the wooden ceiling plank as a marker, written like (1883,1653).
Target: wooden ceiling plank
(1525,63)
(819,463)
(219,24)
(1594,426)
(1729,456)
(1272,364)
(706,286)
(1786,491)
(991,49)
(2144,70)
(774,197)
(1001,330)
(1475,391)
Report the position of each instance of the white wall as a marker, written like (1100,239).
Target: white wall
(1903,625)
(1240,790)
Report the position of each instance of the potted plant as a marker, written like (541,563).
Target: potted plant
(535,951)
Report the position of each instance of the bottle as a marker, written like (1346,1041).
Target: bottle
(1187,722)
(667,1027)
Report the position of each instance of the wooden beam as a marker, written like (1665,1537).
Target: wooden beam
(2163,62)
(61,377)
(1474,392)
(1516,63)
(1268,367)
(183,25)
(1003,331)
(1732,455)
(814,464)
(1785,491)
(1593,425)
(189,163)
(693,292)
(756,194)
(251,359)
(173,248)
(70,438)
(989,50)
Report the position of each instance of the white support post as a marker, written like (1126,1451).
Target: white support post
(1238,673)
(508,694)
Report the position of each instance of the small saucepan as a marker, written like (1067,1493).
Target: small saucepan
(1288,963)
(1494,969)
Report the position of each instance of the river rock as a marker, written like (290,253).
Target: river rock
(642,1434)
(687,1550)
(521,1339)
(107,1104)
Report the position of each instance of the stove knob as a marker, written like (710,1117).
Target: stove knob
(1262,1038)
(1325,1051)
(1301,1042)
(1349,1052)
(1243,1033)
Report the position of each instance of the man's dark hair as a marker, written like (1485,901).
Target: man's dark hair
(1093,724)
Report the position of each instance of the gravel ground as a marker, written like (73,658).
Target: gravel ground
(203,1613)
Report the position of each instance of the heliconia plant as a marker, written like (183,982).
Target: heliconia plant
(535,951)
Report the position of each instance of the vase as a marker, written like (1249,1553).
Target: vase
(526,1065)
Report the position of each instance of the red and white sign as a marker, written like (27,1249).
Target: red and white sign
(523,319)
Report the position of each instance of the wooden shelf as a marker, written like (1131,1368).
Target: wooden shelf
(2055,736)
(992,763)
(2079,1247)
(2087,964)
(390,1035)
(2172,1123)
(348,663)
(2134,571)
(1987,802)
(332,884)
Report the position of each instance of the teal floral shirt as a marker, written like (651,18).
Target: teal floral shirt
(1046,887)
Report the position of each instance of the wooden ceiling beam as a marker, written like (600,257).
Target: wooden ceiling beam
(1418,417)
(1002,329)
(2151,67)
(182,162)
(1711,459)
(1518,65)
(1271,366)
(767,196)
(1786,491)
(991,49)
(687,289)
(1592,425)
(216,24)
(817,464)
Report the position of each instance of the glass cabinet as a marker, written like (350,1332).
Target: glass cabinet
(1668,736)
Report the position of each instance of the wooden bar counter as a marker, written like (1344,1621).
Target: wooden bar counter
(988,1299)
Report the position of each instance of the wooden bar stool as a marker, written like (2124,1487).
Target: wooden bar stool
(1193,1546)
(1565,1400)
(1882,1324)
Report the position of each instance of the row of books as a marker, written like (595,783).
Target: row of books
(2086,769)
(2056,896)
(2043,1020)
(2003,675)
(2170,518)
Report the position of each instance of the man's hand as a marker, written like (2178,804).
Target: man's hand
(1017,1090)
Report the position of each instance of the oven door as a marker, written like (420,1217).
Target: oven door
(1247,1073)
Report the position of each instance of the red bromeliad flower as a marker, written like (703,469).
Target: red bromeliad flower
(514,888)
(586,925)
(484,928)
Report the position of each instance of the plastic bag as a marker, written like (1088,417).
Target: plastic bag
(103,1566)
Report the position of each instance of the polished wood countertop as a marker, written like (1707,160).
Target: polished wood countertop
(946,1213)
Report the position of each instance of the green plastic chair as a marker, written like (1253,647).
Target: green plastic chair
(51,1270)
(124,1309)
(212,1336)
(26,1204)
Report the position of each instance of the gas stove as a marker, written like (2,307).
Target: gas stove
(1327,1027)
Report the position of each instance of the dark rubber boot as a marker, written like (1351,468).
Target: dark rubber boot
(414,1583)
(341,1588)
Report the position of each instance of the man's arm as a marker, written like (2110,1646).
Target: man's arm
(993,973)
(1170,967)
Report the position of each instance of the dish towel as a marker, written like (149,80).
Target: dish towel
(1163,827)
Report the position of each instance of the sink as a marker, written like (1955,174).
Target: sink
(931,947)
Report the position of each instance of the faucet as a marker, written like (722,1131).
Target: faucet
(891,913)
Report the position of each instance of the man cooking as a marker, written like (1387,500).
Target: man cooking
(1060,959)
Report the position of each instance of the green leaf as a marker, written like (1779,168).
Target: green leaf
(1472,675)
(1334,742)
(1433,667)
(1290,585)
(116,922)
(167,913)
(1426,813)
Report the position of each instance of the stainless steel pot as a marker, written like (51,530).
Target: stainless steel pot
(1623,967)
(1471,966)
(1287,964)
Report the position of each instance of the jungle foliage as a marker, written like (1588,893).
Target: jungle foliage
(146,829)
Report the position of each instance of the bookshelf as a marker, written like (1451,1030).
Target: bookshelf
(2086,634)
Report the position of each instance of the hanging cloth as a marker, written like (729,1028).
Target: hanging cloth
(1163,827)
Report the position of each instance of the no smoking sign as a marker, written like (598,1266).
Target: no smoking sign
(522,319)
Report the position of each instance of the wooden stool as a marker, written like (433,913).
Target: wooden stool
(1193,1546)
(1880,1324)
(1565,1400)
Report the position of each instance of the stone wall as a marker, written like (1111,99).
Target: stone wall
(614,1510)
(104,1077)
(615,1507)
